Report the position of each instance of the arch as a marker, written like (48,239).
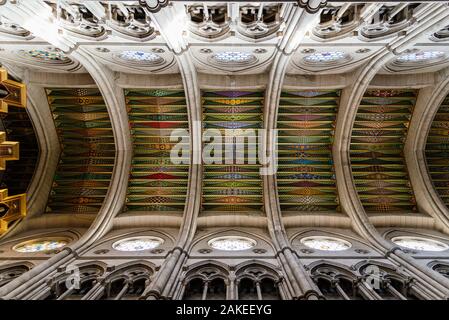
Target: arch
(387,282)
(206,280)
(335,281)
(76,282)
(330,232)
(258,280)
(135,233)
(129,281)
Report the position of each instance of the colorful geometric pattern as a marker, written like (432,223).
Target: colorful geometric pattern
(305,176)
(235,186)
(156,183)
(377,159)
(437,151)
(18,127)
(87,150)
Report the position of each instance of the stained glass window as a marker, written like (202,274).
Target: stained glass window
(325,57)
(45,55)
(305,176)
(232,243)
(377,158)
(420,56)
(232,57)
(40,245)
(140,56)
(420,244)
(326,243)
(137,244)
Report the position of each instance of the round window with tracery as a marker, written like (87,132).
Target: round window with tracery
(40,245)
(234,57)
(326,243)
(232,243)
(137,243)
(421,56)
(326,57)
(420,244)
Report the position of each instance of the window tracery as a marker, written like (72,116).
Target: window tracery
(206,282)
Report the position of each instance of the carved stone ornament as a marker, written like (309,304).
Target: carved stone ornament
(312,6)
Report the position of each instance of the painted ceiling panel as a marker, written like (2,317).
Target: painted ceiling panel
(437,151)
(305,176)
(234,186)
(157,183)
(377,143)
(88,151)
(18,127)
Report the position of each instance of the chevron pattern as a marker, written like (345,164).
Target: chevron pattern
(377,158)
(305,178)
(232,187)
(88,151)
(155,182)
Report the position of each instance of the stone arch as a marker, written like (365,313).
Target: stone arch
(388,282)
(74,282)
(258,280)
(206,280)
(336,281)
(128,281)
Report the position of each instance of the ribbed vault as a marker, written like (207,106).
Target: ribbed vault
(346,86)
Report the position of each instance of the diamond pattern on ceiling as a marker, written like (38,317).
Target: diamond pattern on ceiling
(155,182)
(377,159)
(232,187)
(87,150)
(437,151)
(305,177)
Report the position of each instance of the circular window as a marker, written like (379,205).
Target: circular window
(326,243)
(232,243)
(233,57)
(421,244)
(45,55)
(420,56)
(137,244)
(326,57)
(140,57)
(41,245)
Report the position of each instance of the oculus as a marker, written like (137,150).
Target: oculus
(45,55)
(326,243)
(232,243)
(40,245)
(233,57)
(420,244)
(140,57)
(137,243)
(326,57)
(420,56)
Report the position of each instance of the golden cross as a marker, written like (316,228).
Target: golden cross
(11,208)
(11,92)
